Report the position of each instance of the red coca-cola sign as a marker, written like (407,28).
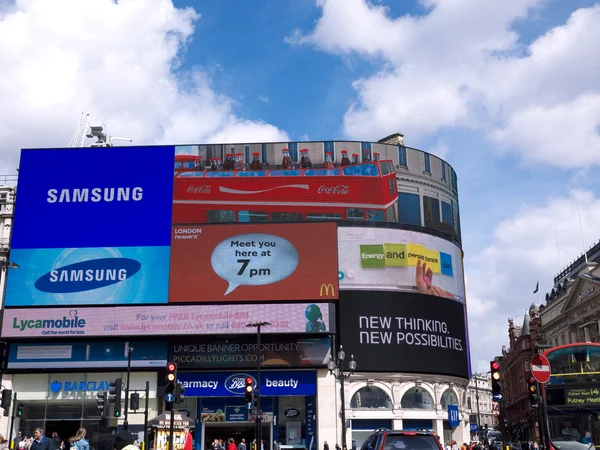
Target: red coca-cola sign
(204,189)
(340,189)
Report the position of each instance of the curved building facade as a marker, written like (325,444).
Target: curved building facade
(174,250)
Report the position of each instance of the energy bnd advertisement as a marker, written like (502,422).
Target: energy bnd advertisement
(225,263)
(404,332)
(399,260)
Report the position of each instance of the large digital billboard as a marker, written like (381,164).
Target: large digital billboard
(399,260)
(161,320)
(249,262)
(404,332)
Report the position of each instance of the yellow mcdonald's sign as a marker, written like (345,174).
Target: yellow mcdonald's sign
(326,288)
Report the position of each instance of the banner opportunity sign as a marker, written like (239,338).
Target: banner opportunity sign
(428,333)
(160,320)
(253,262)
(399,260)
(290,351)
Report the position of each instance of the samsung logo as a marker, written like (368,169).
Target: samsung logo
(88,275)
(119,194)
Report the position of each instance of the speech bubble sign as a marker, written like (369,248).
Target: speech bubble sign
(254,259)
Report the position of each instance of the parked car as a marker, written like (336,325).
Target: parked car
(384,439)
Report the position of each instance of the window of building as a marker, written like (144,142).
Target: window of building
(365,150)
(220,216)
(252,216)
(390,214)
(417,398)
(286,217)
(247,153)
(448,398)
(293,146)
(330,148)
(371,397)
(375,215)
(443,171)
(356,214)
(265,154)
(409,208)
(526,365)
(323,216)
(427,162)
(431,210)
(402,161)
(447,214)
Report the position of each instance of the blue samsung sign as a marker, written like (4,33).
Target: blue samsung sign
(94,197)
(231,384)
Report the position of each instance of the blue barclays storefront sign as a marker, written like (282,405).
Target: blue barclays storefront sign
(89,276)
(94,197)
(86,355)
(232,384)
(78,386)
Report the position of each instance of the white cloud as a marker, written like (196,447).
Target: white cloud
(462,65)
(502,277)
(119,60)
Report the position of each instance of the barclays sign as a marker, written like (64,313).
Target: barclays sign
(232,384)
(78,386)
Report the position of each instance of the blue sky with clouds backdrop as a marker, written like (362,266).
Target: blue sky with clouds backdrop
(508,92)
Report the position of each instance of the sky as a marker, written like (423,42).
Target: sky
(507,92)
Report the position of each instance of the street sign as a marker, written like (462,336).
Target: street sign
(170,398)
(540,368)
(453,418)
(498,397)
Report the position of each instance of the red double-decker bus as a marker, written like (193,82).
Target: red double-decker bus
(365,191)
(572,396)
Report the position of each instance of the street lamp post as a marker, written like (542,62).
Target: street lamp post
(257,325)
(476,378)
(336,368)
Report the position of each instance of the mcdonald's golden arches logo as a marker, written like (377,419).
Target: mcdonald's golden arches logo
(327,288)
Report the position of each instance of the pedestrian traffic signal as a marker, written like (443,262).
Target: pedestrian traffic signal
(134,401)
(20,407)
(249,390)
(114,395)
(496,378)
(532,390)
(102,403)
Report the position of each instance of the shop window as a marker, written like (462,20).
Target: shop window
(409,208)
(65,409)
(252,216)
(448,398)
(220,216)
(371,397)
(417,398)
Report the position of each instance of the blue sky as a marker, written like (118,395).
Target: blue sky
(507,92)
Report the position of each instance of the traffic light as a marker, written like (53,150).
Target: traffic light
(249,391)
(532,390)
(170,387)
(6,400)
(20,407)
(134,401)
(114,395)
(102,403)
(179,390)
(495,372)
(3,357)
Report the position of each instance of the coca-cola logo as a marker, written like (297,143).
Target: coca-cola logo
(340,189)
(204,189)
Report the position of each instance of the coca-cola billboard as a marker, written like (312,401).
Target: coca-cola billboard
(204,189)
(340,189)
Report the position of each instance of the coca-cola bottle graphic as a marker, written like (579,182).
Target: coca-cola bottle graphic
(287,162)
(355,158)
(305,161)
(214,166)
(228,163)
(366,155)
(328,164)
(238,163)
(198,164)
(345,160)
(376,156)
(255,165)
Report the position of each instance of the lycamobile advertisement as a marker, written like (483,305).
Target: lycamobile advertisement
(161,320)
(253,262)
(89,276)
(399,260)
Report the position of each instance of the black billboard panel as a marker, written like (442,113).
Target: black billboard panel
(404,332)
(240,352)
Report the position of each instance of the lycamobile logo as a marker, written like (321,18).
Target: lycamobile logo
(72,322)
